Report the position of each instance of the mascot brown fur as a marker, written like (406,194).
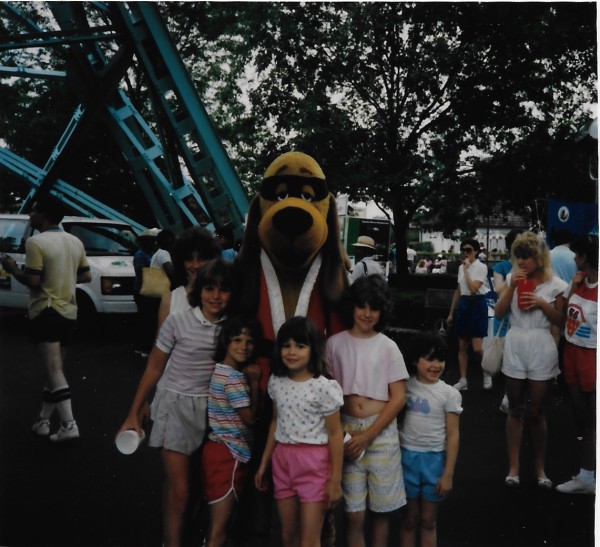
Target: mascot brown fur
(291,261)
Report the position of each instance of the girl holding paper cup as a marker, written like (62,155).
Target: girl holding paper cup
(187,341)
(534,296)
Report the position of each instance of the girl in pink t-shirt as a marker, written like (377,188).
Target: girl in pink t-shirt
(371,370)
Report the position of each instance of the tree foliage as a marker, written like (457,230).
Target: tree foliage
(434,110)
(410,103)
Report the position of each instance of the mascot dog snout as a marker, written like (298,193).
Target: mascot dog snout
(292,231)
(292,221)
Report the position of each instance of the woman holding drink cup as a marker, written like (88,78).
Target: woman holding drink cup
(536,301)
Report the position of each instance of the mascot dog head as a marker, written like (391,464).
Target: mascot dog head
(293,218)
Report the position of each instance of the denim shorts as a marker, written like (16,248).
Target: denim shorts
(471,318)
(422,472)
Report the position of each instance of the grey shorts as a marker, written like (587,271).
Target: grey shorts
(180,422)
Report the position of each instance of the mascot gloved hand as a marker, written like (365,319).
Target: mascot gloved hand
(291,261)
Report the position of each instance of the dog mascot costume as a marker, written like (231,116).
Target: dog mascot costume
(291,261)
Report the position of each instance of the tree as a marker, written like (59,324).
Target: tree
(408,103)
(433,109)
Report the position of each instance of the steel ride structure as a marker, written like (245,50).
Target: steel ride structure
(181,167)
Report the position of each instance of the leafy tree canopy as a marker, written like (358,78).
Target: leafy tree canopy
(431,109)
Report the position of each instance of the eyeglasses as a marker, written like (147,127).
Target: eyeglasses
(467,250)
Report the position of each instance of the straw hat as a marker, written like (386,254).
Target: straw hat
(365,241)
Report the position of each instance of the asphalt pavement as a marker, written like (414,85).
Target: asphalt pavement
(85,493)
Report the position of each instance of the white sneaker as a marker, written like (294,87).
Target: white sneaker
(41,427)
(577,486)
(67,430)
(487,381)
(461,385)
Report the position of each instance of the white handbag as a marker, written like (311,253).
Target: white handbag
(491,363)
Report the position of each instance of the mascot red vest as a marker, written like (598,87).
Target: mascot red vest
(291,261)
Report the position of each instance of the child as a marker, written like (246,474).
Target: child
(187,341)
(580,359)
(305,437)
(371,371)
(232,404)
(428,437)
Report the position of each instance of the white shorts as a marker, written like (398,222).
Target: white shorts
(179,422)
(530,354)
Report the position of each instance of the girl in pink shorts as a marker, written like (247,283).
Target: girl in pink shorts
(305,442)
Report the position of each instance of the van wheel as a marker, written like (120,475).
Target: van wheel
(87,316)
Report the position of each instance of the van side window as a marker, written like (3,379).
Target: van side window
(12,239)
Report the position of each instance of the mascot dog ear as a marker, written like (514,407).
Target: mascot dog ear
(334,279)
(248,260)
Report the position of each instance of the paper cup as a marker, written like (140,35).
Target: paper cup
(523,286)
(347,437)
(128,441)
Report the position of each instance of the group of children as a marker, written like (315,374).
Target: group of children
(334,432)
(348,423)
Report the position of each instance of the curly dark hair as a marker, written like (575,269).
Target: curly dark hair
(233,327)
(193,240)
(303,331)
(373,291)
(215,272)
(427,344)
(587,246)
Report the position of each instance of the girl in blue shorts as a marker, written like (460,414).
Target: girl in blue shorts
(305,443)
(428,437)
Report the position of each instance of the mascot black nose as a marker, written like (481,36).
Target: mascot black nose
(292,221)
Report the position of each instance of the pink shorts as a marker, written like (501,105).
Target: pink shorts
(301,470)
(580,367)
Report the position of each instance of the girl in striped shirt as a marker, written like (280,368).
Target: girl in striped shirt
(232,405)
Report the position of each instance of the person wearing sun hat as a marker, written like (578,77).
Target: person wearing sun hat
(364,263)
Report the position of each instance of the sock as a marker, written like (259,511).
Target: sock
(586,475)
(62,398)
(48,404)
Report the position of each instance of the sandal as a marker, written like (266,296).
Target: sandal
(512,481)
(544,482)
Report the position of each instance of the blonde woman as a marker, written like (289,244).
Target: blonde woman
(530,353)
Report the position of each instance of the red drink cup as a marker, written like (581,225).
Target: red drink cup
(524,286)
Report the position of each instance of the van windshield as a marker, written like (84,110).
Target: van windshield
(104,239)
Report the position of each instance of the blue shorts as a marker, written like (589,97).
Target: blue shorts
(471,318)
(422,472)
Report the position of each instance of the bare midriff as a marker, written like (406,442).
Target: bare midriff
(359,406)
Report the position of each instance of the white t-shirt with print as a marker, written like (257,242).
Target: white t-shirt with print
(302,408)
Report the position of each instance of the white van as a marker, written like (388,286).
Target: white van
(109,245)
